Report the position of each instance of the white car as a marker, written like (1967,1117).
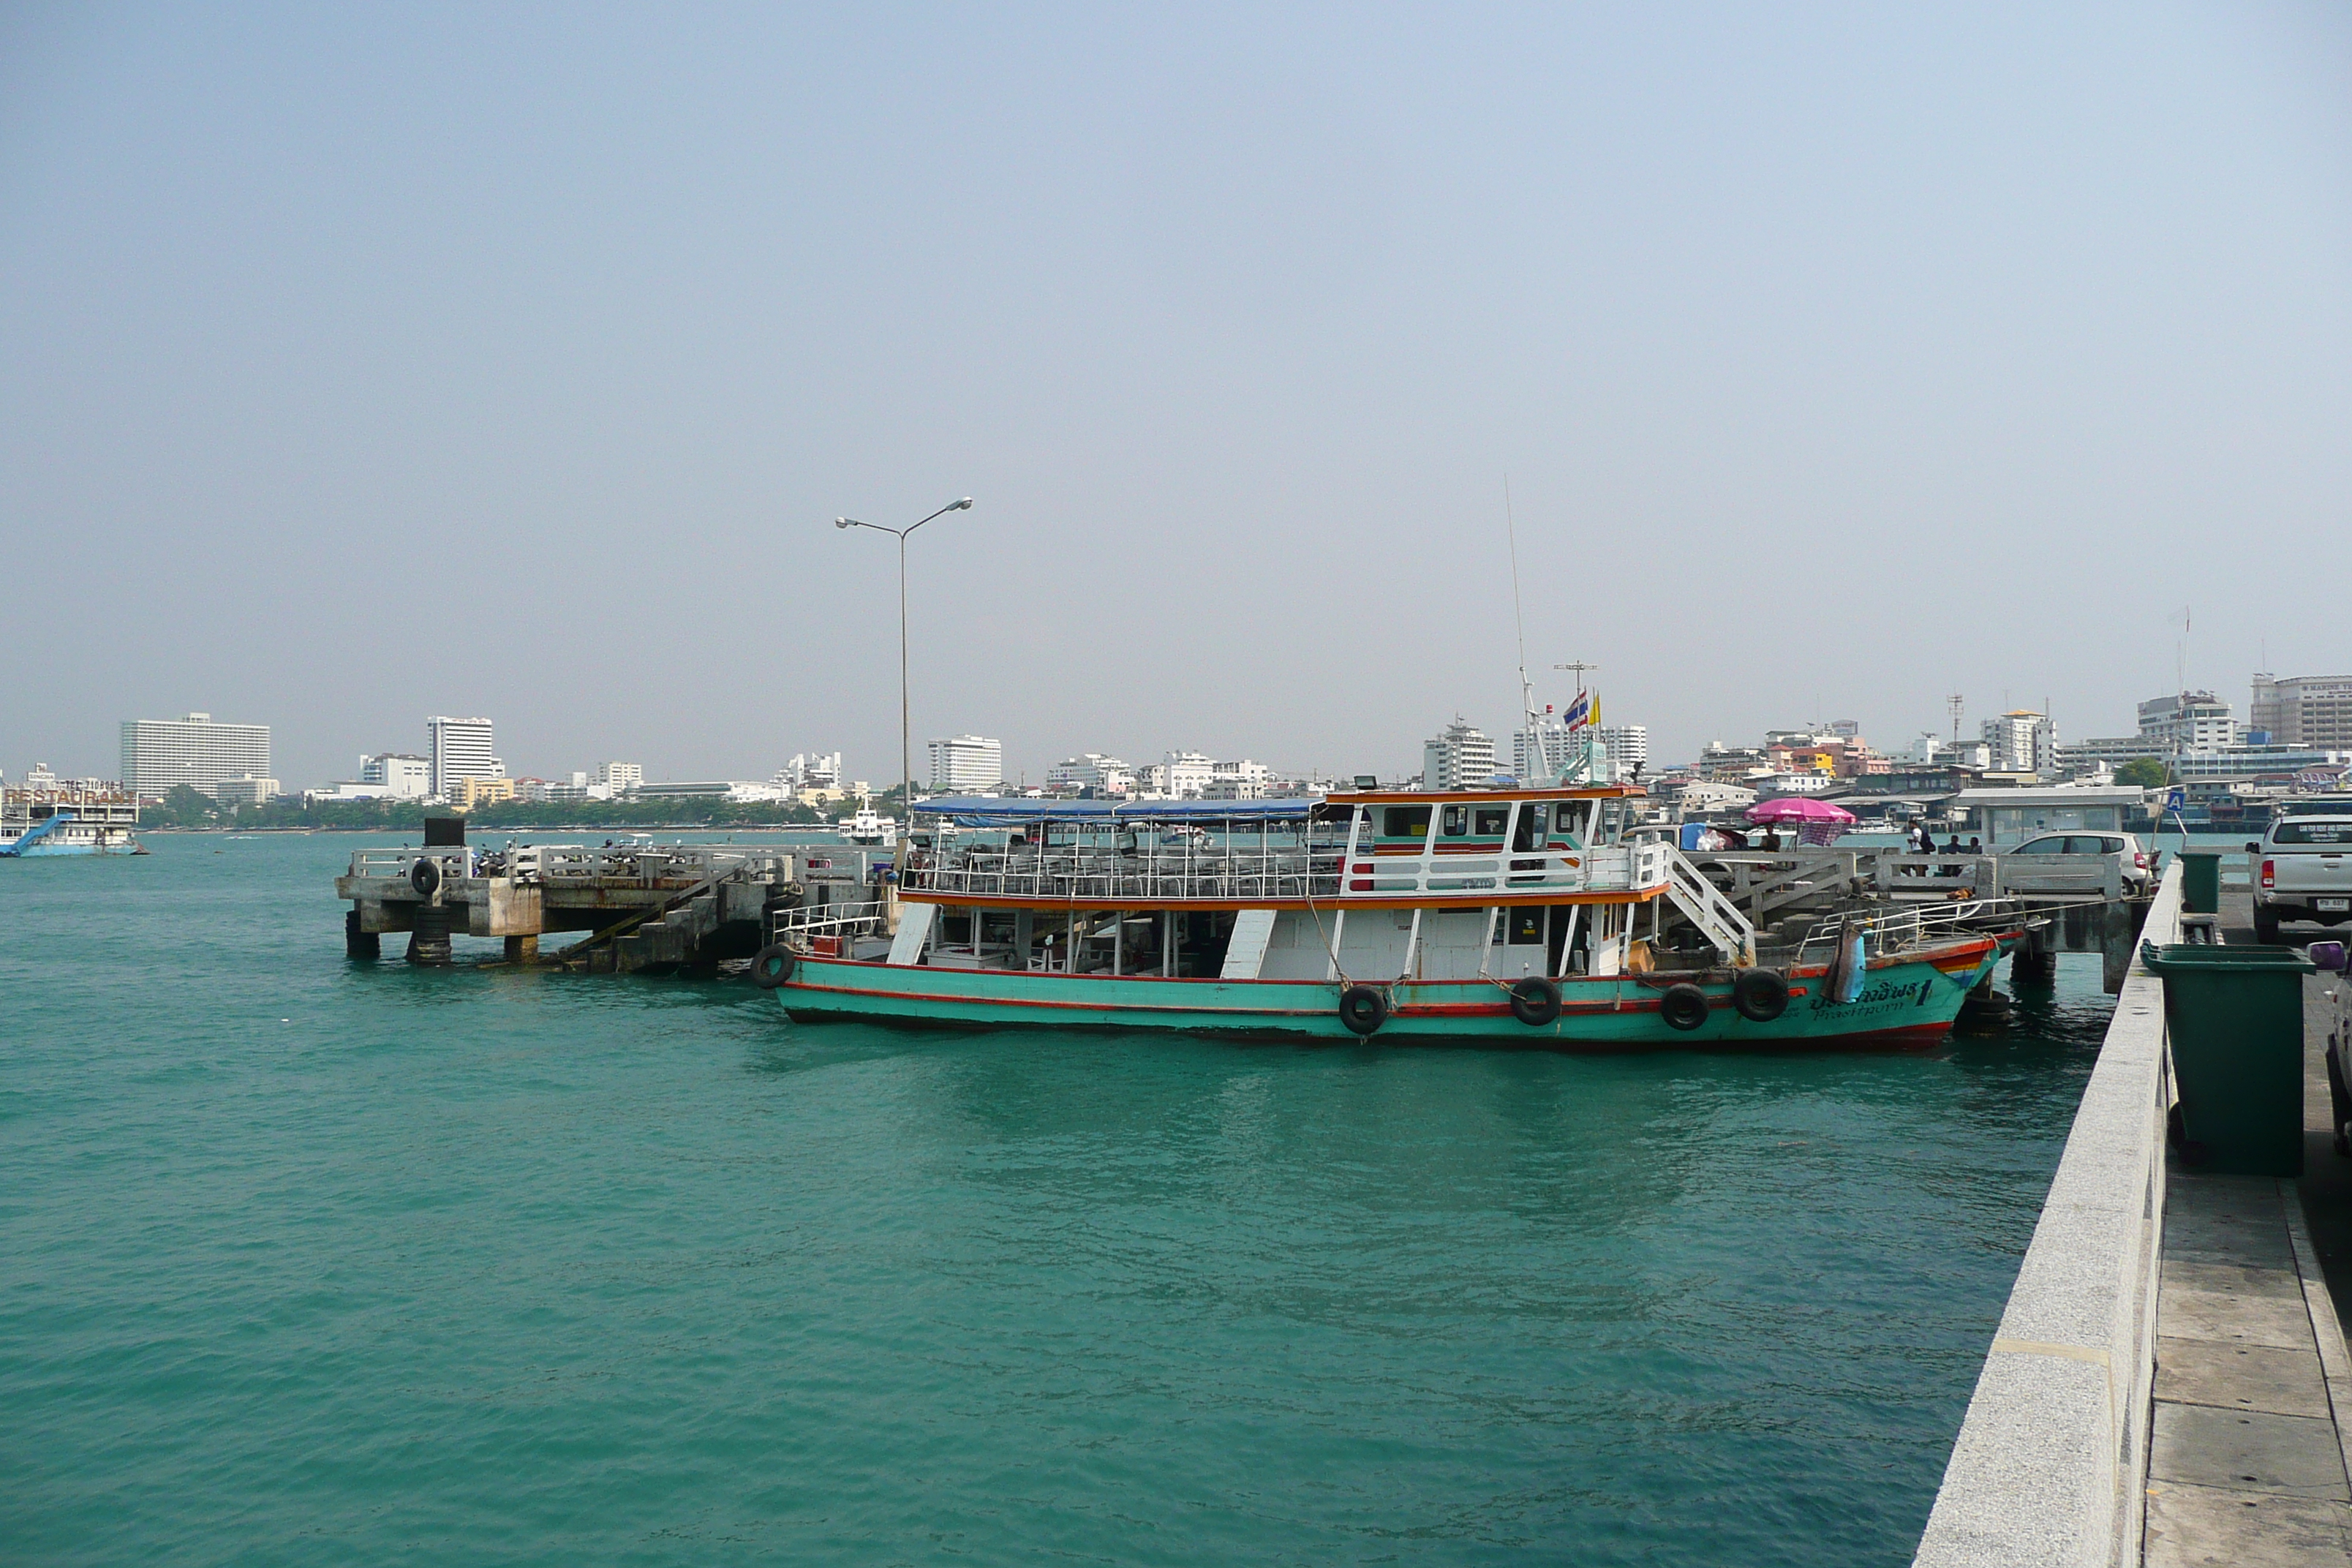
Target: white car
(2136,870)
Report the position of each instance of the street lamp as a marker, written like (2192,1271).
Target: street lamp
(905,728)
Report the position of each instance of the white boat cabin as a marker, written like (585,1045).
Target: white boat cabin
(1376,885)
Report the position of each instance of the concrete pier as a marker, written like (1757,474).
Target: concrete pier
(2169,1383)
(643,907)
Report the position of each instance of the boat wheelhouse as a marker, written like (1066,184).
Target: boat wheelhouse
(1526,914)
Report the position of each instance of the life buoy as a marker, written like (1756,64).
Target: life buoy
(774,966)
(1535,1000)
(1761,994)
(1363,1009)
(1683,1006)
(424,876)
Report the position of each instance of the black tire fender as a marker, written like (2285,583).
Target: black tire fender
(1761,994)
(1535,1000)
(424,876)
(1363,1009)
(773,965)
(1683,1006)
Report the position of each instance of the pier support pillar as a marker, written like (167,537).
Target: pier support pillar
(358,943)
(2118,939)
(2036,957)
(522,949)
(429,939)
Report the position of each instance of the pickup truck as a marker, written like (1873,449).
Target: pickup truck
(2303,871)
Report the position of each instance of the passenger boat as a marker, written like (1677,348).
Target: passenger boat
(37,822)
(1539,916)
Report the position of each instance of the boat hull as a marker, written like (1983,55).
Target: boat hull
(1905,1003)
(45,848)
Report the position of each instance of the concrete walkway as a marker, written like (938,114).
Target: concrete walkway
(2246,1466)
(2247,1463)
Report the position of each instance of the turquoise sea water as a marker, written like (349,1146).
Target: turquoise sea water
(310,1261)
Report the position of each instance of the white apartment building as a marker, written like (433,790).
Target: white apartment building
(1538,755)
(1185,775)
(159,754)
(1629,744)
(736,792)
(966,764)
(246,791)
(1460,756)
(1091,770)
(2021,741)
(806,771)
(616,779)
(2310,710)
(1242,780)
(461,749)
(403,775)
(2187,722)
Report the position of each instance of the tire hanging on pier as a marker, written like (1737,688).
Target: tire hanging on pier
(424,876)
(1535,1000)
(1363,1009)
(774,966)
(1683,1006)
(1761,994)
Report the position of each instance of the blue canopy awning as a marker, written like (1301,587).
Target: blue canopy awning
(1019,811)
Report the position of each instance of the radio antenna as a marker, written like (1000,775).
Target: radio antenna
(1518,617)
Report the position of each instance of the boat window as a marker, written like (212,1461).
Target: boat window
(956,930)
(1406,822)
(1531,828)
(1455,822)
(1493,821)
(1525,925)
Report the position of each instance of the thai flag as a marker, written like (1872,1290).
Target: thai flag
(1580,712)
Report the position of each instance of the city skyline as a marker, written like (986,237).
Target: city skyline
(1410,759)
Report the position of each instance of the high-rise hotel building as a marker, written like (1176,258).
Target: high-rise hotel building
(159,755)
(462,749)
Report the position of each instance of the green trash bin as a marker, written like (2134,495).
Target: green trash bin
(2235,1018)
(2200,881)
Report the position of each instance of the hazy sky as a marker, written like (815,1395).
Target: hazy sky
(357,364)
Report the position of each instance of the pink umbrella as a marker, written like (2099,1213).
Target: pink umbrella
(1797,808)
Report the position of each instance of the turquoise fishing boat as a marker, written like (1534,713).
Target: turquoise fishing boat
(1519,915)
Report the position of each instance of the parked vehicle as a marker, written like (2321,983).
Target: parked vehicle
(2303,871)
(2138,869)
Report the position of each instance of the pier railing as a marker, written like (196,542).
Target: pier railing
(558,865)
(2051,1461)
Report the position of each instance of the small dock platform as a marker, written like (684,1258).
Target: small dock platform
(640,906)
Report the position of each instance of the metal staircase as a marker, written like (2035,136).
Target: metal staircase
(1704,904)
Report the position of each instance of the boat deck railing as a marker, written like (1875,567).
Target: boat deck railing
(865,918)
(1905,928)
(1215,872)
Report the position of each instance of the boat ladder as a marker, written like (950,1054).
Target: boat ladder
(1705,907)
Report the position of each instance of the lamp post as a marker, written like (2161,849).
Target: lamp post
(905,728)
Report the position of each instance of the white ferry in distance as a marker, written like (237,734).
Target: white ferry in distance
(43,817)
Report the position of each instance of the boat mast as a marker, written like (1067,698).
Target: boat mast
(1526,688)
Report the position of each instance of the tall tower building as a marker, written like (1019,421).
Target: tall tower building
(461,749)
